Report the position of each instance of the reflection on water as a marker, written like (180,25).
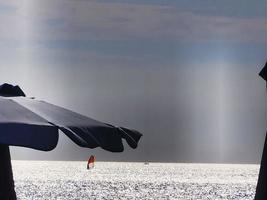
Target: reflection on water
(111,180)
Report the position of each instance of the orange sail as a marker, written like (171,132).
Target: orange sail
(91,162)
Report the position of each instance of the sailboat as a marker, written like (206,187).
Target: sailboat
(91,162)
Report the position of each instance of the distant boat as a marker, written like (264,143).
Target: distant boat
(91,162)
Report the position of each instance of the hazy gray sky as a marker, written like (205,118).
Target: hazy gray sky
(184,73)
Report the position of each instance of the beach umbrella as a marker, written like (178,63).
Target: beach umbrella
(263,72)
(32,123)
(261,189)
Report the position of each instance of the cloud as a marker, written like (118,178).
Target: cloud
(117,21)
(106,33)
(7,7)
(91,20)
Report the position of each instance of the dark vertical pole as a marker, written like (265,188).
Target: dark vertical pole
(261,190)
(7,191)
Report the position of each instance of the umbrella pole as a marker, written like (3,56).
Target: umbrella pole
(261,189)
(7,191)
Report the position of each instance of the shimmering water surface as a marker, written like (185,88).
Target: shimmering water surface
(51,180)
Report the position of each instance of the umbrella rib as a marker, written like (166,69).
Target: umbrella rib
(45,120)
(79,140)
(89,132)
(126,133)
(74,137)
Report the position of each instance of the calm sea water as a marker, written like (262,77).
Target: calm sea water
(51,180)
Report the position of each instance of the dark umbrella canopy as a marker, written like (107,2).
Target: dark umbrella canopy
(10,90)
(32,123)
(263,72)
(261,189)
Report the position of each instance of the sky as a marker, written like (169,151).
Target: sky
(184,73)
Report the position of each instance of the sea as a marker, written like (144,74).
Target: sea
(67,180)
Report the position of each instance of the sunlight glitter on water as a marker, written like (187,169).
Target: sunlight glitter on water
(119,180)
